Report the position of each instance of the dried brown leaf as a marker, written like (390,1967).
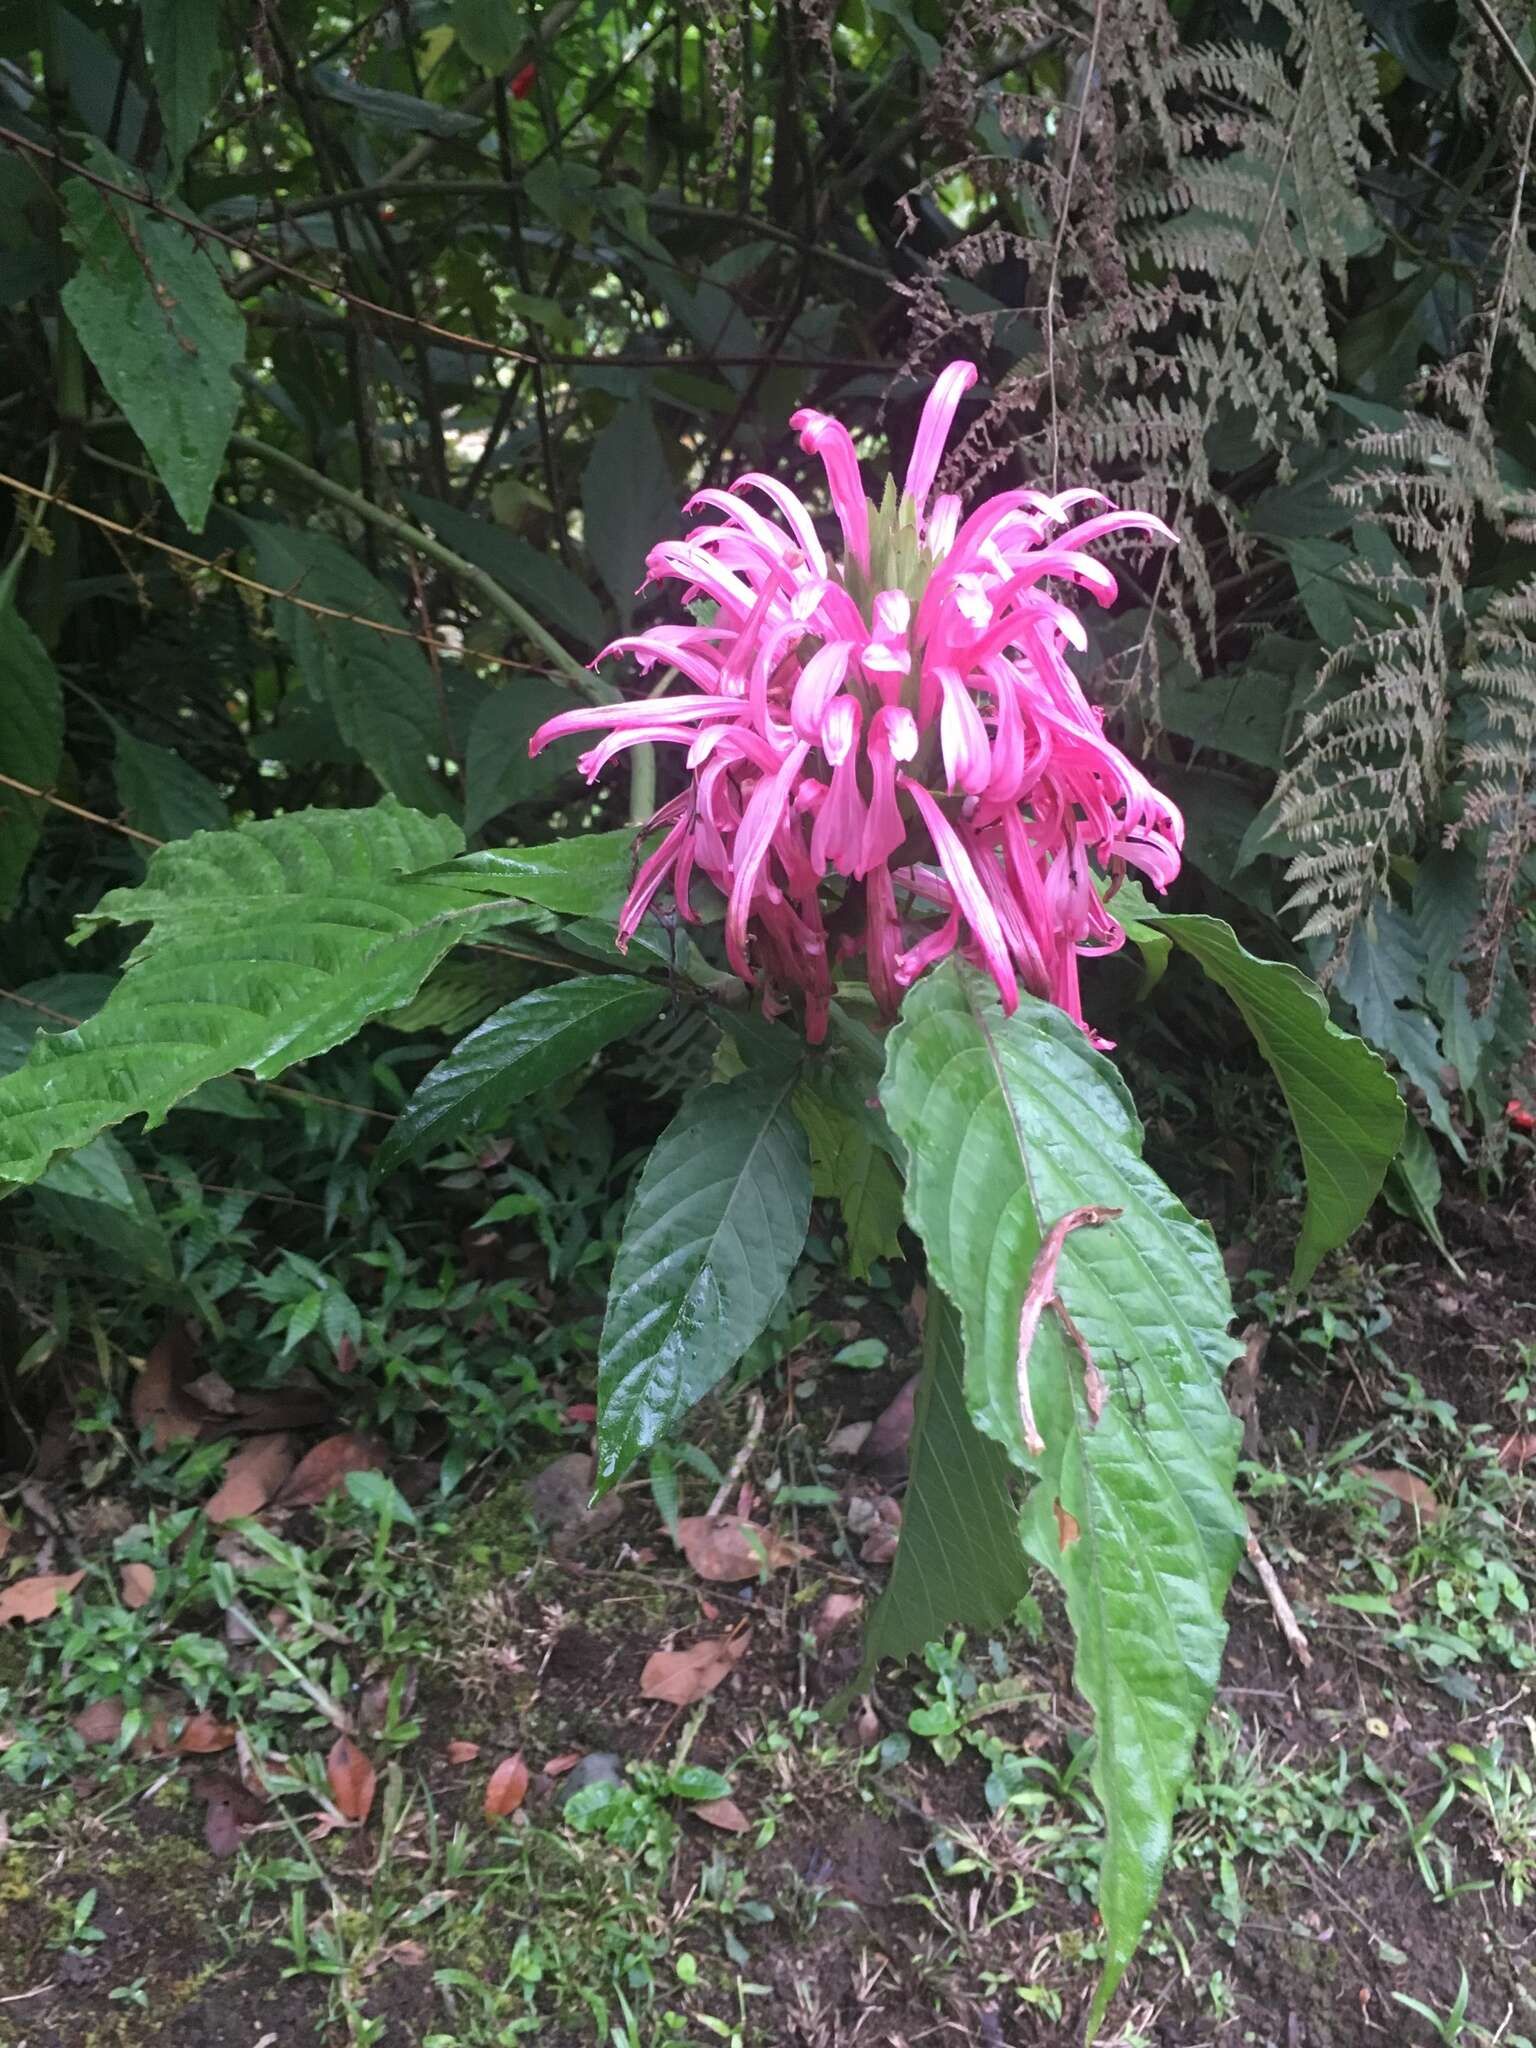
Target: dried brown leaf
(725,1547)
(1415,1493)
(137,1582)
(460,1752)
(352,1779)
(325,1468)
(159,1399)
(722,1813)
(202,1735)
(101,1721)
(36,1598)
(683,1677)
(252,1476)
(508,1787)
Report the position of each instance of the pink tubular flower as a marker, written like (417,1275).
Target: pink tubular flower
(893,744)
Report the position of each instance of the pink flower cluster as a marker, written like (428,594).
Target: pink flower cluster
(902,719)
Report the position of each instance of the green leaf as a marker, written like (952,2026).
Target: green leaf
(377,686)
(587,875)
(267,945)
(493,32)
(497,770)
(538,1039)
(718,1221)
(629,502)
(400,112)
(97,1195)
(31,744)
(162,794)
(1344,1104)
(959,1560)
(183,47)
(1413,1185)
(1009,1122)
(849,1168)
(152,313)
(554,593)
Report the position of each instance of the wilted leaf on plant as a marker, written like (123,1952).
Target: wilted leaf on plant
(36,1598)
(352,1779)
(722,1813)
(252,1476)
(683,1677)
(725,1547)
(507,1789)
(137,1584)
(325,1468)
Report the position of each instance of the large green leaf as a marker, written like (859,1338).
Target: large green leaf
(712,1236)
(537,1039)
(1343,1102)
(183,39)
(152,313)
(31,744)
(959,1560)
(1008,1123)
(267,945)
(629,502)
(377,686)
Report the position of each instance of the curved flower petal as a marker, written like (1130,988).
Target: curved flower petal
(938,417)
(822,435)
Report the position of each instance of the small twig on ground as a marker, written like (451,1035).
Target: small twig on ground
(739,1462)
(1039,1295)
(1284,1613)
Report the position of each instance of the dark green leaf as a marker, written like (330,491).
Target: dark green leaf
(558,597)
(267,945)
(959,1561)
(152,313)
(183,48)
(629,501)
(536,1040)
(31,744)
(400,112)
(1008,1123)
(162,794)
(1413,1185)
(493,32)
(849,1168)
(377,686)
(96,1196)
(1343,1102)
(497,770)
(717,1223)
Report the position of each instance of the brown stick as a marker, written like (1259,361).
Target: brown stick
(1038,1296)
(1284,1613)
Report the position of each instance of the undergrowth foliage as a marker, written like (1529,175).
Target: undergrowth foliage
(363,372)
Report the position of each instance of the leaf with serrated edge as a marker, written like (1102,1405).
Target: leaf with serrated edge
(149,305)
(267,945)
(1345,1105)
(537,1039)
(1009,1122)
(717,1223)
